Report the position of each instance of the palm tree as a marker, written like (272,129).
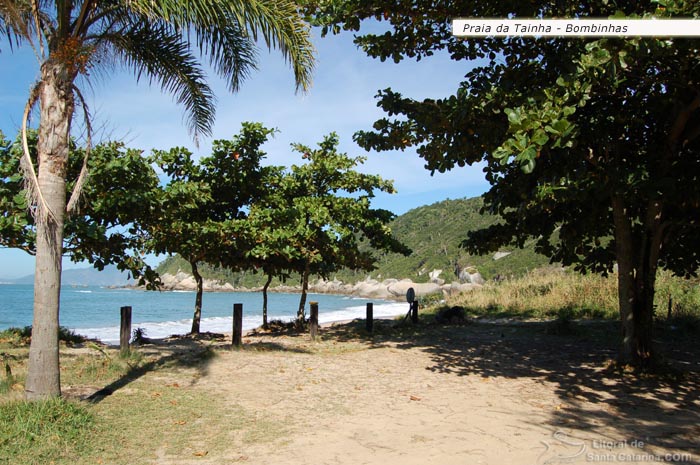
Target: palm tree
(155,39)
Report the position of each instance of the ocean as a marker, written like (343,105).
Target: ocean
(95,311)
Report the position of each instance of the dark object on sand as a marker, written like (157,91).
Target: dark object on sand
(451,315)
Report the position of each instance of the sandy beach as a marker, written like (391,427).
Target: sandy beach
(475,394)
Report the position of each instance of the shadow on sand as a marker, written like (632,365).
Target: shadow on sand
(176,352)
(660,410)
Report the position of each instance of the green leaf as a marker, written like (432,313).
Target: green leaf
(540,137)
(514,115)
(20,200)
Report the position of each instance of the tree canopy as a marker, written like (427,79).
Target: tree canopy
(596,139)
(106,229)
(198,212)
(325,206)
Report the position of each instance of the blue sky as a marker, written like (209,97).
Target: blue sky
(341,100)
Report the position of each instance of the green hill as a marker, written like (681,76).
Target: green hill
(433,232)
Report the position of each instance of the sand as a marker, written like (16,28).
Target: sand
(476,394)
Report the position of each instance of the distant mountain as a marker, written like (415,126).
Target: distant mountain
(433,232)
(110,276)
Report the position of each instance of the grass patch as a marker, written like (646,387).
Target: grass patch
(160,412)
(549,293)
(98,366)
(44,432)
(544,294)
(18,337)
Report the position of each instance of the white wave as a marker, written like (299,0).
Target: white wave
(159,330)
(84,292)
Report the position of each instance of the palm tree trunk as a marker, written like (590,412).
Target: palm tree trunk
(196,319)
(265,287)
(56,111)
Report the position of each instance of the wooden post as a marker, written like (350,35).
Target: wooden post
(237,336)
(414,312)
(313,321)
(369,323)
(125,331)
(670,307)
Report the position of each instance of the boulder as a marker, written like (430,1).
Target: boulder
(435,277)
(372,290)
(471,276)
(476,278)
(400,288)
(457,288)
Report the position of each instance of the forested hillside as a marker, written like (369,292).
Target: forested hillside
(433,232)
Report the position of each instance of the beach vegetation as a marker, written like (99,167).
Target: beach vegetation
(557,294)
(594,140)
(22,336)
(107,229)
(199,211)
(157,41)
(44,431)
(324,213)
(433,233)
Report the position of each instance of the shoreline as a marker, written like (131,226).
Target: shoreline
(252,321)
(227,336)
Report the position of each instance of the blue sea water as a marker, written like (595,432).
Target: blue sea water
(94,311)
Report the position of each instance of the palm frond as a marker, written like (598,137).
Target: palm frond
(162,56)
(16,21)
(232,62)
(277,22)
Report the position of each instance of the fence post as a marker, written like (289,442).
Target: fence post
(237,336)
(414,312)
(369,322)
(125,331)
(313,321)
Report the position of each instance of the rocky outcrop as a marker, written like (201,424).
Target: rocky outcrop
(185,282)
(400,288)
(388,289)
(499,255)
(435,277)
(470,275)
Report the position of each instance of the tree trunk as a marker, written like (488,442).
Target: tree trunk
(196,319)
(637,259)
(267,285)
(56,111)
(301,313)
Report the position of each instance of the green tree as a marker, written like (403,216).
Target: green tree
(327,214)
(107,229)
(69,39)
(202,208)
(270,248)
(596,139)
